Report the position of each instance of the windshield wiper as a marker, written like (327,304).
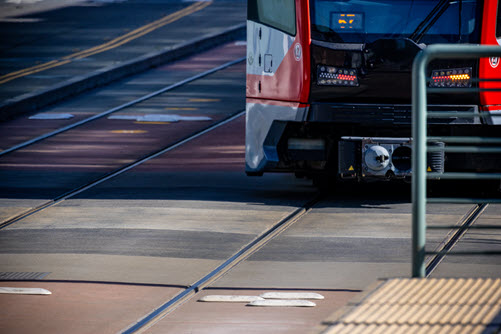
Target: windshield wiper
(429,21)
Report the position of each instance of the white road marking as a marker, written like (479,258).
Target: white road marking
(282,303)
(291,295)
(229,299)
(52,116)
(160,118)
(18,2)
(25,291)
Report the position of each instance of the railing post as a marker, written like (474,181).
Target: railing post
(419,106)
(419,134)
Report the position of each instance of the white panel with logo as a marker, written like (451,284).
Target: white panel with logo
(266,48)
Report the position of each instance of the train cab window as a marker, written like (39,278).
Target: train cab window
(360,21)
(279,14)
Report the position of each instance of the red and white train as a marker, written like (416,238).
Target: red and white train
(329,84)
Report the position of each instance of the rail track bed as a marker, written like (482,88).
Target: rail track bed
(130,204)
(173,225)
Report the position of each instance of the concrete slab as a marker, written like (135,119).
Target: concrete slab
(476,240)
(346,241)
(110,268)
(80,308)
(310,274)
(156,218)
(238,218)
(10,208)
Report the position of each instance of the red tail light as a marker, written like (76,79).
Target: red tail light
(456,77)
(335,76)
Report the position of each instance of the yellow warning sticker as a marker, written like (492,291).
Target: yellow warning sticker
(351,168)
(429,169)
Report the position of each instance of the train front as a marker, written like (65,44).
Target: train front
(329,84)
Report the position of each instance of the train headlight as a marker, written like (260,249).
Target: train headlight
(336,76)
(454,77)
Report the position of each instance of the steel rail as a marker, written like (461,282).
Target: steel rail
(121,107)
(156,315)
(117,171)
(452,239)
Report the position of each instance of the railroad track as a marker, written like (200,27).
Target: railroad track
(247,250)
(120,107)
(120,170)
(252,247)
(454,236)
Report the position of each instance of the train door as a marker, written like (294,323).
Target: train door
(278,50)
(490,68)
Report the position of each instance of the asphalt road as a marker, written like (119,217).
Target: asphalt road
(48,55)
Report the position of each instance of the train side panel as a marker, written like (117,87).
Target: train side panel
(490,68)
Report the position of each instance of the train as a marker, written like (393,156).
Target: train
(328,85)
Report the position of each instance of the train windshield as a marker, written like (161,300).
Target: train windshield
(424,21)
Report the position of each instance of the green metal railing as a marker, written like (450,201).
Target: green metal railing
(420,116)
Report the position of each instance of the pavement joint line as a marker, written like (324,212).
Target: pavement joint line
(34,101)
(120,107)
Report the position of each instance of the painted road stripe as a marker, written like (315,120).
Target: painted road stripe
(152,123)
(132,35)
(229,299)
(291,295)
(282,303)
(52,116)
(129,131)
(181,108)
(160,118)
(204,100)
(25,291)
